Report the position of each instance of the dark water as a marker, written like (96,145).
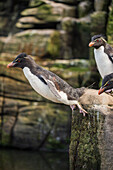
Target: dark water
(31,160)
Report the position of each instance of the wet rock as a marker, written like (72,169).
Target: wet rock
(98,22)
(46,14)
(83,149)
(35,46)
(101,5)
(67,1)
(9,10)
(84,8)
(7,129)
(110,25)
(31,20)
(79,28)
(106,143)
(54,44)
(50,11)
(48,42)
(36,126)
(28,22)
(3,22)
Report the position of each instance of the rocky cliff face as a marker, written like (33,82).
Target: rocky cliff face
(54,28)
(45,29)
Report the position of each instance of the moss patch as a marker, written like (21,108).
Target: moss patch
(43,12)
(54,43)
(36,3)
(20,25)
(84,151)
(5,139)
(68,25)
(98,22)
(110,26)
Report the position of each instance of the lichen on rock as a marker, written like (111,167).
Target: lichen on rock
(54,44)
(98,22)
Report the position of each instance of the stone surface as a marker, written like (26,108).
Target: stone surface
(31,20)
(110,25)
(40,128)
(102,103)
(80,29)
(101,5)
(32,42)
(46,14)
(67,1)
(9,12)
(50,11)
(98,22)
(83,149)
(91,97)
(84,8)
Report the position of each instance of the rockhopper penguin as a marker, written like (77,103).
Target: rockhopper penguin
(107,84)
(103,53)
(48,84)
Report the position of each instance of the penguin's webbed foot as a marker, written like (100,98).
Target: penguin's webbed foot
(81,110)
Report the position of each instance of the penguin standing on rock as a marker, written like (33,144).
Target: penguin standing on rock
(103,53)
(48,84)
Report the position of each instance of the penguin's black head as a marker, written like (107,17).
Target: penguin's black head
(107,84)
(97,41)
(21,61)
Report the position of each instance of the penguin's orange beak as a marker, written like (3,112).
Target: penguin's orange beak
(101,90)
(91,44)
(10,65)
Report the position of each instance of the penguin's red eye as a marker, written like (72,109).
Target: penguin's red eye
(17,60)
(97,40)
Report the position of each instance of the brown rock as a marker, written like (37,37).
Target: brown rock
(84,8)
(91,97)
(32,20)
(101,5)
(102,103)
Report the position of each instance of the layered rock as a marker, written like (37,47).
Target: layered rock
(101,5)
(46,30)
(46,14)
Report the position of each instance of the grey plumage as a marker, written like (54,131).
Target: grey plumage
(48,84)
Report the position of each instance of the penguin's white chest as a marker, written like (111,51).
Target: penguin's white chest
(43,89)
(39,86)
(104,65)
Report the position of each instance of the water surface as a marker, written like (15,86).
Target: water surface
(32,160)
